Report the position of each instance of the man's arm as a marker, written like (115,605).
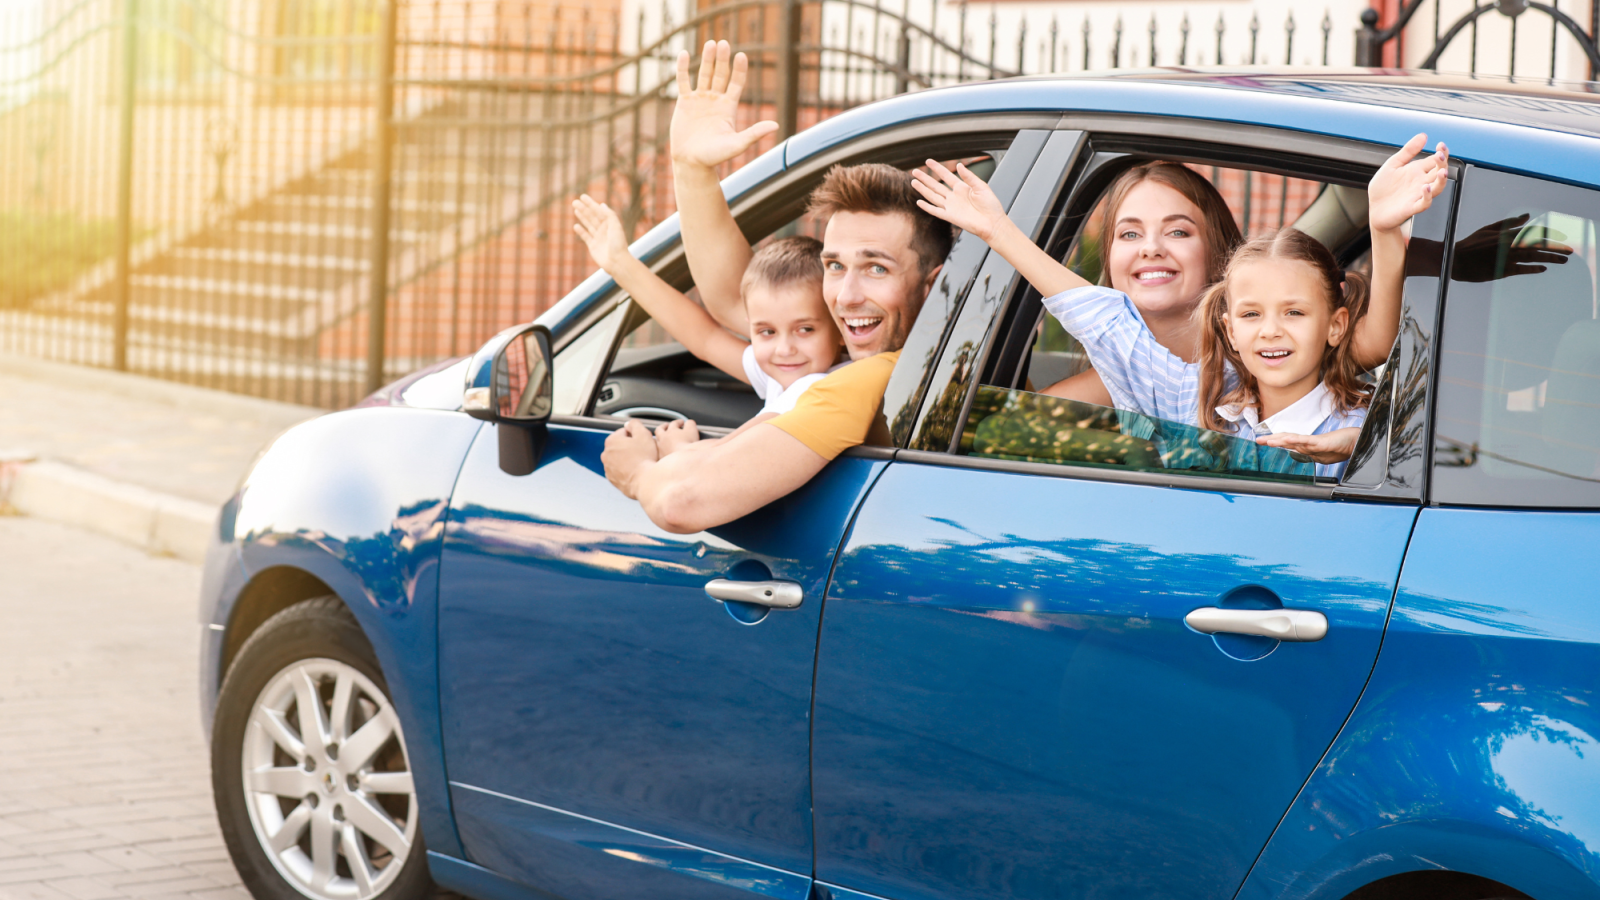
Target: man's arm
(689,492)
(704,135)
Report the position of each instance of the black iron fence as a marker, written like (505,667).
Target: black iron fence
(1479,41)
(301,199)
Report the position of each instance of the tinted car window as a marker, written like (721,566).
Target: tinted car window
(1011,419)
(1029,427)
(1519,391)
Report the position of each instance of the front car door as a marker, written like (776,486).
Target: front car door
(1008,700)
(609,730)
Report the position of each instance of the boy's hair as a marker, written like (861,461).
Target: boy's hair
(882,189)
(1345,290)
(785,261)
(1219,231)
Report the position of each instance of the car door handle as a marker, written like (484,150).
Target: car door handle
(776,594)
(1282,624)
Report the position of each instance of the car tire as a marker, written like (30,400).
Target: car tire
(331,818)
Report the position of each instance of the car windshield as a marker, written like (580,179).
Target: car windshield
(1029,427)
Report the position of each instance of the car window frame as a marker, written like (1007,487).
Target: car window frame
(782,198)
(1259,147)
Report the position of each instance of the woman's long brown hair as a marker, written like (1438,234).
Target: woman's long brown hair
(1345,290)
(1219,231)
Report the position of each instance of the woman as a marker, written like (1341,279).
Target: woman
(1165,237)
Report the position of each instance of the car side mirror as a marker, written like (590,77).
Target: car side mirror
(519,395)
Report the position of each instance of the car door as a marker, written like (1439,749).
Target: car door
(1009,702)
(609,729)
(1473,746)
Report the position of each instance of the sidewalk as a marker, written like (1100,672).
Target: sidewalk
(139,459)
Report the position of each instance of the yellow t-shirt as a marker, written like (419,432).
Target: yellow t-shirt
(844,409)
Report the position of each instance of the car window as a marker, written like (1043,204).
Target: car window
(1518,421)
(653,377)
(1012,419)
(1027,427)
(573,371)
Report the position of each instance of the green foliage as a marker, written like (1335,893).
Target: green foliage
(43,252)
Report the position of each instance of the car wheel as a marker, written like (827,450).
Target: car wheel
(309,768)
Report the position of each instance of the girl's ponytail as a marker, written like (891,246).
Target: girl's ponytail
(1216,355)
(1341,374)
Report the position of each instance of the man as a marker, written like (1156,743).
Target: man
(880,256)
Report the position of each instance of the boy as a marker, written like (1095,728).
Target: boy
(793,342)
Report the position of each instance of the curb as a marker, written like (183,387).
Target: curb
(142,387)
(158,523)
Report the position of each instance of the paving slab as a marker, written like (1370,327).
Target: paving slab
(105,782)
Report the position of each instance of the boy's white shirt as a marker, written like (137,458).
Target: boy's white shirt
(779,399)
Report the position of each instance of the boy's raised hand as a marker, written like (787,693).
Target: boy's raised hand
(1405,185)
(601,231)
(960,198)
(704,131)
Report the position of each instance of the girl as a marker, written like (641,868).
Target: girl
(1281,311)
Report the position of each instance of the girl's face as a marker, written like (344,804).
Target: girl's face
(1279,320)
(791,331)
(1157,256)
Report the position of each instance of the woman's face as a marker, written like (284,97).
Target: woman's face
(1157,255)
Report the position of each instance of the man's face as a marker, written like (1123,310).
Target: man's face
(871,280)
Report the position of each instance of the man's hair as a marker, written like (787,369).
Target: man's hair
(786,261)
(882,189)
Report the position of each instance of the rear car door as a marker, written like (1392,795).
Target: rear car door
(609,729)
(1008,700)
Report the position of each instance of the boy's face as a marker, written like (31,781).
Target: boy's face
(871,280)
(1279,320)
(790,330)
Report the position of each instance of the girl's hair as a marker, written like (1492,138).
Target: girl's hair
(1219,231)
(1345,290)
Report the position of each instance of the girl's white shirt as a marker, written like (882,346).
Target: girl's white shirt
(779,399)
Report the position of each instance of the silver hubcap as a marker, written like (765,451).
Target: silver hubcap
(327,782)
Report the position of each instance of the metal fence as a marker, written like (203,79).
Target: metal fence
(301,199)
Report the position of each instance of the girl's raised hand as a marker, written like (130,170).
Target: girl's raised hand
(1405,185)
(601,231)
(960,198)
(1335,446)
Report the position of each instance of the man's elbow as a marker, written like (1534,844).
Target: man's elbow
(676,510)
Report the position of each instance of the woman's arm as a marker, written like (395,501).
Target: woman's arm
(962,199)
(1402,188)
(1084,387)
(692,326)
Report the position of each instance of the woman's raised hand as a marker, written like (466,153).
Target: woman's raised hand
(601,231)
(960,198)
(704,130)
(1405,186)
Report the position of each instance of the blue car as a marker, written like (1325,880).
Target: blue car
(1035,649)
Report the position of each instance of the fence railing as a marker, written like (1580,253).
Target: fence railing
(302,199)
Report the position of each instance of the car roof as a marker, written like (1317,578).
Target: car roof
(1543,128)
(1548,129)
